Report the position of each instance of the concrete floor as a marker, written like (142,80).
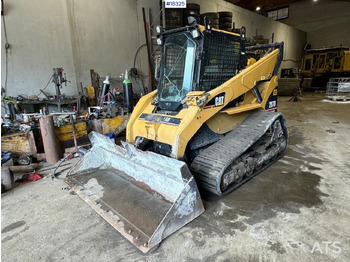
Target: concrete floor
(278,216)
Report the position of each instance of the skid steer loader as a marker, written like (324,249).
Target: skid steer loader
(212,122)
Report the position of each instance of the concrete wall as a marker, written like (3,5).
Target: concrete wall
(74,34)
(294,39)
(104,35)
(38,33)
(326,22)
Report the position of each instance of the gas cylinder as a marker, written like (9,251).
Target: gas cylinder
(127,91)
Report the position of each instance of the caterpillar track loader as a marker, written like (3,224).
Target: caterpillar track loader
(212,122)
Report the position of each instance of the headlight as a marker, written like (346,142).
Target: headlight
(195,33)
(159,29)
(159,41)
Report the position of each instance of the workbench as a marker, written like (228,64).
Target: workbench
(35,106)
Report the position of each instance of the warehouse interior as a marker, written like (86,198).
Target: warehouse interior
(247,159)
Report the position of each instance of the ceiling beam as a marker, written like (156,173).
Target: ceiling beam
(252,4)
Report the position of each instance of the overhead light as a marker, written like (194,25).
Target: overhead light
(258,8)
(315,0)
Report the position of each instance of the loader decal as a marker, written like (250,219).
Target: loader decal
(218,100)
(161,119)
(271,104)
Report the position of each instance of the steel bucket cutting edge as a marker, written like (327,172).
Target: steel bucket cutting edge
(143,195)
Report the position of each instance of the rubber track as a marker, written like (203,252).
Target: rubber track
(210,164)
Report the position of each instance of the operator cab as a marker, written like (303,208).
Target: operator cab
(176,71)
(196,58)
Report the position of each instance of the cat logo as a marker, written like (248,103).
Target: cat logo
(219,100)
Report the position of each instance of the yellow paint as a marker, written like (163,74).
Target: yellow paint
(18,143)
(251,61)
(202,28)
(110,125)
(65,133)
(346,66)
(241,108)
(193,98)
(91,94)
(260,69)
(326,61)
(223,123)
(194,116)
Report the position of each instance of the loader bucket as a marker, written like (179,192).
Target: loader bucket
(145,196)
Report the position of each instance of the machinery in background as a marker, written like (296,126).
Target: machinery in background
(108,106)
(112,113)
(59,80)
(212,122)
(289,82)
(338,89)
(106,103)
(319,65)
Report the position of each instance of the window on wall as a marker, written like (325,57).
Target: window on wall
(279,14)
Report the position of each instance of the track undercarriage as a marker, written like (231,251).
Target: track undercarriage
(252,146)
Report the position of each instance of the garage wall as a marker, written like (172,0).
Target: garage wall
(326,22)
(38,33)
(74,34)
(104,35)
(293,39)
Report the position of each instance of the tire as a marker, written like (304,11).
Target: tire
(227,24)
(24,160)
(174,20)
(225,14)
(7,179)
(213,21)
(172,26)
(216,23)
(225,19)
(212,15)
(191,13)
(173,13)
(228,29)
(192,6)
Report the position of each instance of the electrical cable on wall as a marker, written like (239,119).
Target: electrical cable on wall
(7,46)
(133,70)
(138,50)
(41,90)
